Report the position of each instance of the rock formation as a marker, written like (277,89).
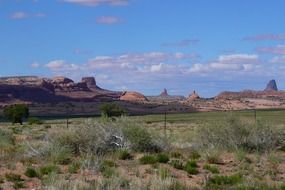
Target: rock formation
(164,93)
(133,97)
(271,90)
(271,86)
(90,81)
(57,89)
(193,96)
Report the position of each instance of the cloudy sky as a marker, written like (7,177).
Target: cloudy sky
(147,45)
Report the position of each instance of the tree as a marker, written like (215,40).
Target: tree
(111,110)
(16,113)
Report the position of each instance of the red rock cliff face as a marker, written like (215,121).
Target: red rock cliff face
(36,89)
(90,81)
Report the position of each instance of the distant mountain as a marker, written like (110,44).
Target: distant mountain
(271,90)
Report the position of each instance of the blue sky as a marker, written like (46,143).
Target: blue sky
(147,45)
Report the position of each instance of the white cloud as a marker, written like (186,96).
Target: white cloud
(156,68)
(61,65)
(238,58)
(228,63)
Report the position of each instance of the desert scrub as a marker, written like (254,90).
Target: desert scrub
(213,156)
(124,154)
(57,153)
(6,140)
(175,185)
(148,159)
(177,164)
(107,168)
(176,154)
(191,167)
(162,157)
(223,182)
(164,172)
(74,167)
(194,155)
(234,134)
(48,169)
(90,137)
(211,168)
(16,179)
(140,139)
(31,172)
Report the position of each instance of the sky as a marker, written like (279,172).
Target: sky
(147,45)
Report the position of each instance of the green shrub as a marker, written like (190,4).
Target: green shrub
(6,140)
(191,163)
(175,185)
(111,110)
(140,139)
(177,164)
(107,168)
(191,170)
(220,181)
(31,172)
(162,158)
(164,173)
(213,169)
(191,167)
(74,167)
(16,179)
(16,113)
(124,154)
(48,169)
(34,121)
(148,159)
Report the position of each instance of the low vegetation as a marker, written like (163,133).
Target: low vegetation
(130,153)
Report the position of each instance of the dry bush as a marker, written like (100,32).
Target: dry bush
(91,137)
(235,134)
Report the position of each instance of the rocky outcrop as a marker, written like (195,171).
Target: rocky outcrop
(164,93)
(63,84)
(133,97)
(193,96)
(271,86)
(90,81)
(271,91)
(36,89)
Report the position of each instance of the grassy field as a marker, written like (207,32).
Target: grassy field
(275,116)
(213,150)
